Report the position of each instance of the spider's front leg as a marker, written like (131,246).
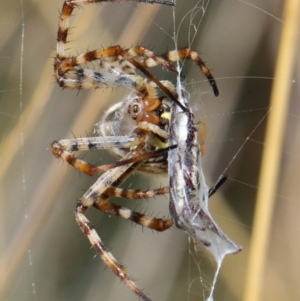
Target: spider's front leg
(64,149)
(189,53)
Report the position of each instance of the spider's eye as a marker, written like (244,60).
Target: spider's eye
(134,110)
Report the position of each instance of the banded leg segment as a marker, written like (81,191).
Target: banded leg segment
(158,224)
(70,75)
(94,143)
(64,148)
(100,201)
(86,227)
(135,194)
(66,13)
(189,53)
(60,150)
(147,58)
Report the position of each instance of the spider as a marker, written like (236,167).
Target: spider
(135,130)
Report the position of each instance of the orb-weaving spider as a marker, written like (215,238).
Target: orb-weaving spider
(131,128)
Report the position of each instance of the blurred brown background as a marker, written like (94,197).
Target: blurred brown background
(43,255)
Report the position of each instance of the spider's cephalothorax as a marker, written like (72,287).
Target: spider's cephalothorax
(146,121)
(135,130)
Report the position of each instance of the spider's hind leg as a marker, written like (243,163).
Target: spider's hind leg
(86,227)
(158,224)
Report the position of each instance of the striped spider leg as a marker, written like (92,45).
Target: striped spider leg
(188,191)
(70,74)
